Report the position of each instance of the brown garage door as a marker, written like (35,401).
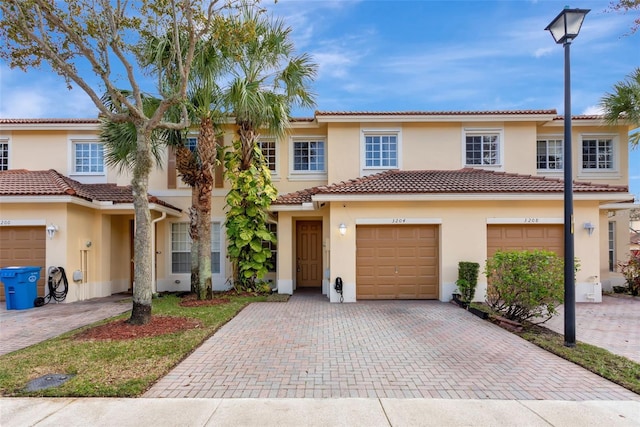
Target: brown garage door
(397,262)
(22,246)
(525,237)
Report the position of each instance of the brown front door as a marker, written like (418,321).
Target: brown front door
(309,254)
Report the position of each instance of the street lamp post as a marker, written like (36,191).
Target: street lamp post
(564,28)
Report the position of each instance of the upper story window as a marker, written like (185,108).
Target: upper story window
(308,156)
(483,148)
(4,156)
(597,154)
(88,158)
(191,143)
(268,148)
(550,154)
(380,151)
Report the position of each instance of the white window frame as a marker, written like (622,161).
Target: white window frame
(610,173)
(499,165)
(547,139)
(306,175)
(611,240)
(372,132)
(276,154)
(273,247)
(6,141)
(85,177)
(217,226)
(180,184)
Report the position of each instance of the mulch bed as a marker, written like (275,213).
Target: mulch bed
(121,330)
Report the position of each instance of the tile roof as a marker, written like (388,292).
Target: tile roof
(463,181)
(21,182)
(47,121)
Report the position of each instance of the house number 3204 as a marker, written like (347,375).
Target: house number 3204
(398,220)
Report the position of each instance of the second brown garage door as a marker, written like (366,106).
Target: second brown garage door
(23,246)
(549,237)
(397,262)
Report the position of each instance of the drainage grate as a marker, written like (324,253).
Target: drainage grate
(48,381)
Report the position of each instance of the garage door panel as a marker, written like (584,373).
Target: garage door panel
(512,237)
(23,246)
(403,265)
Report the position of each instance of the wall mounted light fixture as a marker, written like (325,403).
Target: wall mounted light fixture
(343,229)
(589,227)
(51,230)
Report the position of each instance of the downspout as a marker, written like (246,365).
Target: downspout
(154,253)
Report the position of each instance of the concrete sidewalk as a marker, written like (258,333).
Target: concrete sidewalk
(22,412)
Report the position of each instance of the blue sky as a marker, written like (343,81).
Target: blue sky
(417,55)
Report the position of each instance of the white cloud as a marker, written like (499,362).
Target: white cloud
(543,51)
(333,64)
(41,95)
(593,110)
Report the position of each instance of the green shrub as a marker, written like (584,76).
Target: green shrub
(467,280)
(523,285)
(631,272)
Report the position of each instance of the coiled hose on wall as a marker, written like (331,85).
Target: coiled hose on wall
(56,276)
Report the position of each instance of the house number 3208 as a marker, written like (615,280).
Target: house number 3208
(531,220)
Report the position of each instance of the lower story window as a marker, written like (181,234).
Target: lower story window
(612,246)
(273,247)
(181,248)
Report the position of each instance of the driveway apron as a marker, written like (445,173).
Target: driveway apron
(22,328)
(310,348)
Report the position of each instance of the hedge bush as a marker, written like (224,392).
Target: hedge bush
(525,285)
(467,279)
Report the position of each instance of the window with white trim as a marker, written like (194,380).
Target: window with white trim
(597,154)
(272,246)
(88,158)
(550,154)
(4,156)
(380,150)
(612,246)
(268,148)
(482,148)
(308,156)
(181,248)
(191,143)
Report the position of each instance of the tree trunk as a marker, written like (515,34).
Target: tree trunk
(195,239)
(248,138)
(207,154)
(142,289)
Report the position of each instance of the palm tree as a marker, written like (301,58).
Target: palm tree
(195,167)
(624,104)
(267,81)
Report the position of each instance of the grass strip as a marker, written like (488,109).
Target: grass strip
(613,367)
(114,368)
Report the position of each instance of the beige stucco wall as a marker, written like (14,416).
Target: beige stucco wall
(463,228)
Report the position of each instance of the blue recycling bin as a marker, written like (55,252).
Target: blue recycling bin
(20,286)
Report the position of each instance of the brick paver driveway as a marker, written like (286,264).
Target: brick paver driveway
(311,348)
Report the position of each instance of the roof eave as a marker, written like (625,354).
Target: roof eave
(409,197)
(105,206)
(293,208)
(50,126)
(436,118)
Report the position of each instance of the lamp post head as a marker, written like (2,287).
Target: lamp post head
(566,26)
